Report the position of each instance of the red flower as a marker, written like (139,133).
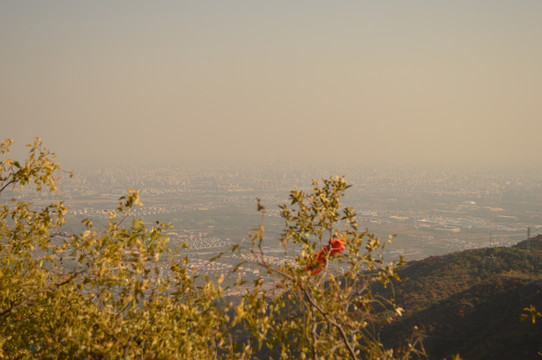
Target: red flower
(337,246)
(318,260)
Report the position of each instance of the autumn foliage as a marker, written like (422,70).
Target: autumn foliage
(318,260)
(101,294)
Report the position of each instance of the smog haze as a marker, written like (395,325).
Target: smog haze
(413,82)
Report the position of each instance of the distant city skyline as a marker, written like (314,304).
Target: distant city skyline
(431,211)
(407,82)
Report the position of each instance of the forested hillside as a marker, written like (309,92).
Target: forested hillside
(470,303)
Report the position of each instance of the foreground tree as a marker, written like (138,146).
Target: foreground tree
(325,308)
(99,294)
(119,291)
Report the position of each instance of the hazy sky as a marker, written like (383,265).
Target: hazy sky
(172,81)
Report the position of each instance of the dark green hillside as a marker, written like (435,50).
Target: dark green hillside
(534,244)
(482,322)
(438,277)
(470,303)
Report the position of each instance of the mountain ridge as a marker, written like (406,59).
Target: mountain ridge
(470,302)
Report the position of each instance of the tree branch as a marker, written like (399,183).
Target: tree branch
(330,320)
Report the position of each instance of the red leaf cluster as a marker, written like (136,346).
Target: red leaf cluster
(318,260)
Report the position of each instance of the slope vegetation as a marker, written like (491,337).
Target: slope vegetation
(470,302)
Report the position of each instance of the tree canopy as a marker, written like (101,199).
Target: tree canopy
(105,292)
